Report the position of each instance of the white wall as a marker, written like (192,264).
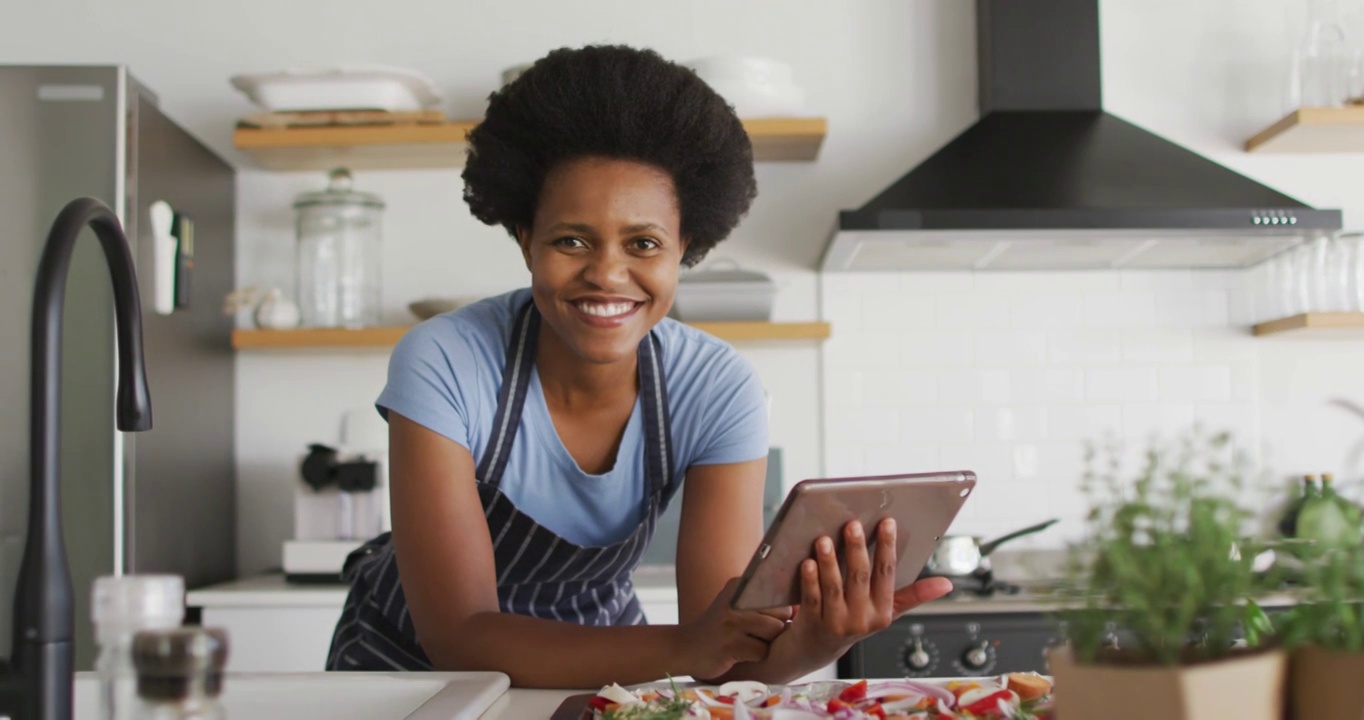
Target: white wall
(896,80)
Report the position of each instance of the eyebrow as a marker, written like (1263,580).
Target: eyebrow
(589,230)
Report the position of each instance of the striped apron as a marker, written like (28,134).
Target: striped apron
(539,573)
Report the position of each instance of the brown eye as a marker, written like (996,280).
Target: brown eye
(646,244)
(570,242)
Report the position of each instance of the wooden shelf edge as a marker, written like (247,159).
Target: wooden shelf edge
(1315,320)
(793,139)
(385,337)
(1350,115)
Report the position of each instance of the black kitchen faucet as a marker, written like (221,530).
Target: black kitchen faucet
(38,683)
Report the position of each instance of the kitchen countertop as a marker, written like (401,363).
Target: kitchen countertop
(652,585)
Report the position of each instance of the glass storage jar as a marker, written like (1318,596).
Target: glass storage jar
(339,255)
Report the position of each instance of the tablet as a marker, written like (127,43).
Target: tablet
(923,506)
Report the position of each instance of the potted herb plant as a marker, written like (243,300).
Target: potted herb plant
(1325,632)
(1155,624)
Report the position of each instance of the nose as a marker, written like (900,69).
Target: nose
(607,269)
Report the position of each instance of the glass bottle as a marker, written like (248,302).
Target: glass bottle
(120,607)
(180,673)
(1322,59)
(339,255)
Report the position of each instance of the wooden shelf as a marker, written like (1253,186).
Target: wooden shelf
(1345,325)
(387,337)
(442,145)
(1314,130)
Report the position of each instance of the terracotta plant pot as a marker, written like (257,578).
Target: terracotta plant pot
(1326,685)
(1246,687)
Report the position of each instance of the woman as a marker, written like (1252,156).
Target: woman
(535,437)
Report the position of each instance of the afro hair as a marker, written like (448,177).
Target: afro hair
(615,102)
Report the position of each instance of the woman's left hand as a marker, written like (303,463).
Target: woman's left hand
(834,614)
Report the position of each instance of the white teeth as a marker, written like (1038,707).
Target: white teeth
(605,309)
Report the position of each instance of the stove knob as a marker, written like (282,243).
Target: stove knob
(918,658)
(977,656)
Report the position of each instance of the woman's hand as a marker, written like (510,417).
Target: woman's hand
(833,613)
(723,637)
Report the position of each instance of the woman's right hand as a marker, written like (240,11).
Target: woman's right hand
(723,637)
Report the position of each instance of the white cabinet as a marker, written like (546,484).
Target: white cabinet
(272,626)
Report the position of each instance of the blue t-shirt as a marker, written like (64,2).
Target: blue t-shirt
(445,373)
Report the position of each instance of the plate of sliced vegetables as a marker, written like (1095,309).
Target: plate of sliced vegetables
(1017,696)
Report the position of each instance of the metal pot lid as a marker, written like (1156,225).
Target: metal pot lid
(339,192)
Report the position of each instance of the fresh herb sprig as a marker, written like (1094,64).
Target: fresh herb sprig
(1165,568)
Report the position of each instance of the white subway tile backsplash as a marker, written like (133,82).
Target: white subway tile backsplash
(1078,422)
(972,312)
(898,312)
(1242,420)
(901,458)
(1027,460)
(1046,311)
(923,425)
(1245,383)
(1004,347)
(1047,385)
(845,387)
(902,387)
(1193,308)
(936,283)
(843,310)
(841,460)
(1120,309)
(1156,279)
(973,386)
(1140,420)
(862,350)
(1157,345)
(1027,283)
(1225,345)
(1009,424)
(1206,384)
(937,348)
(1120,384)
(1093,346)
(991,462)
(878,426)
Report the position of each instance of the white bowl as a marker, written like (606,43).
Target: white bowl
(352,87)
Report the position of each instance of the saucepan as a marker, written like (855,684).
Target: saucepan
(967,554)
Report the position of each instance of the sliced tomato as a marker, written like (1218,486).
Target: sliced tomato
(598,702)
(854,693)
(725,699)
(835,705)
(875,710)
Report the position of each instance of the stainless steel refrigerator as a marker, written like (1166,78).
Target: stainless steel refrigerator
(157,501)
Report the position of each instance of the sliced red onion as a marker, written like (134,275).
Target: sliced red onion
(790,714)
(934,691)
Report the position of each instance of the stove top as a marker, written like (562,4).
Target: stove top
(979,585)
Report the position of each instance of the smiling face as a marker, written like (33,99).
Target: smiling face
(604,253)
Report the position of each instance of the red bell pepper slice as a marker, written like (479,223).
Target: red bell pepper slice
(988,703)
(876,710)
(854,693)
(598,702)
(835,705)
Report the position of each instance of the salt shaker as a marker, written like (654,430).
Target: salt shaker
(180,673)
(120,607)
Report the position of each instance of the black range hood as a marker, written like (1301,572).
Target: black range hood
(1047,180)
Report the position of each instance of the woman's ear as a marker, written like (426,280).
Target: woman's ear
(523,239)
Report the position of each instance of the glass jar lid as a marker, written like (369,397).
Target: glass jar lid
(338,192)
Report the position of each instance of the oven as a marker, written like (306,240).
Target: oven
(955,644)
